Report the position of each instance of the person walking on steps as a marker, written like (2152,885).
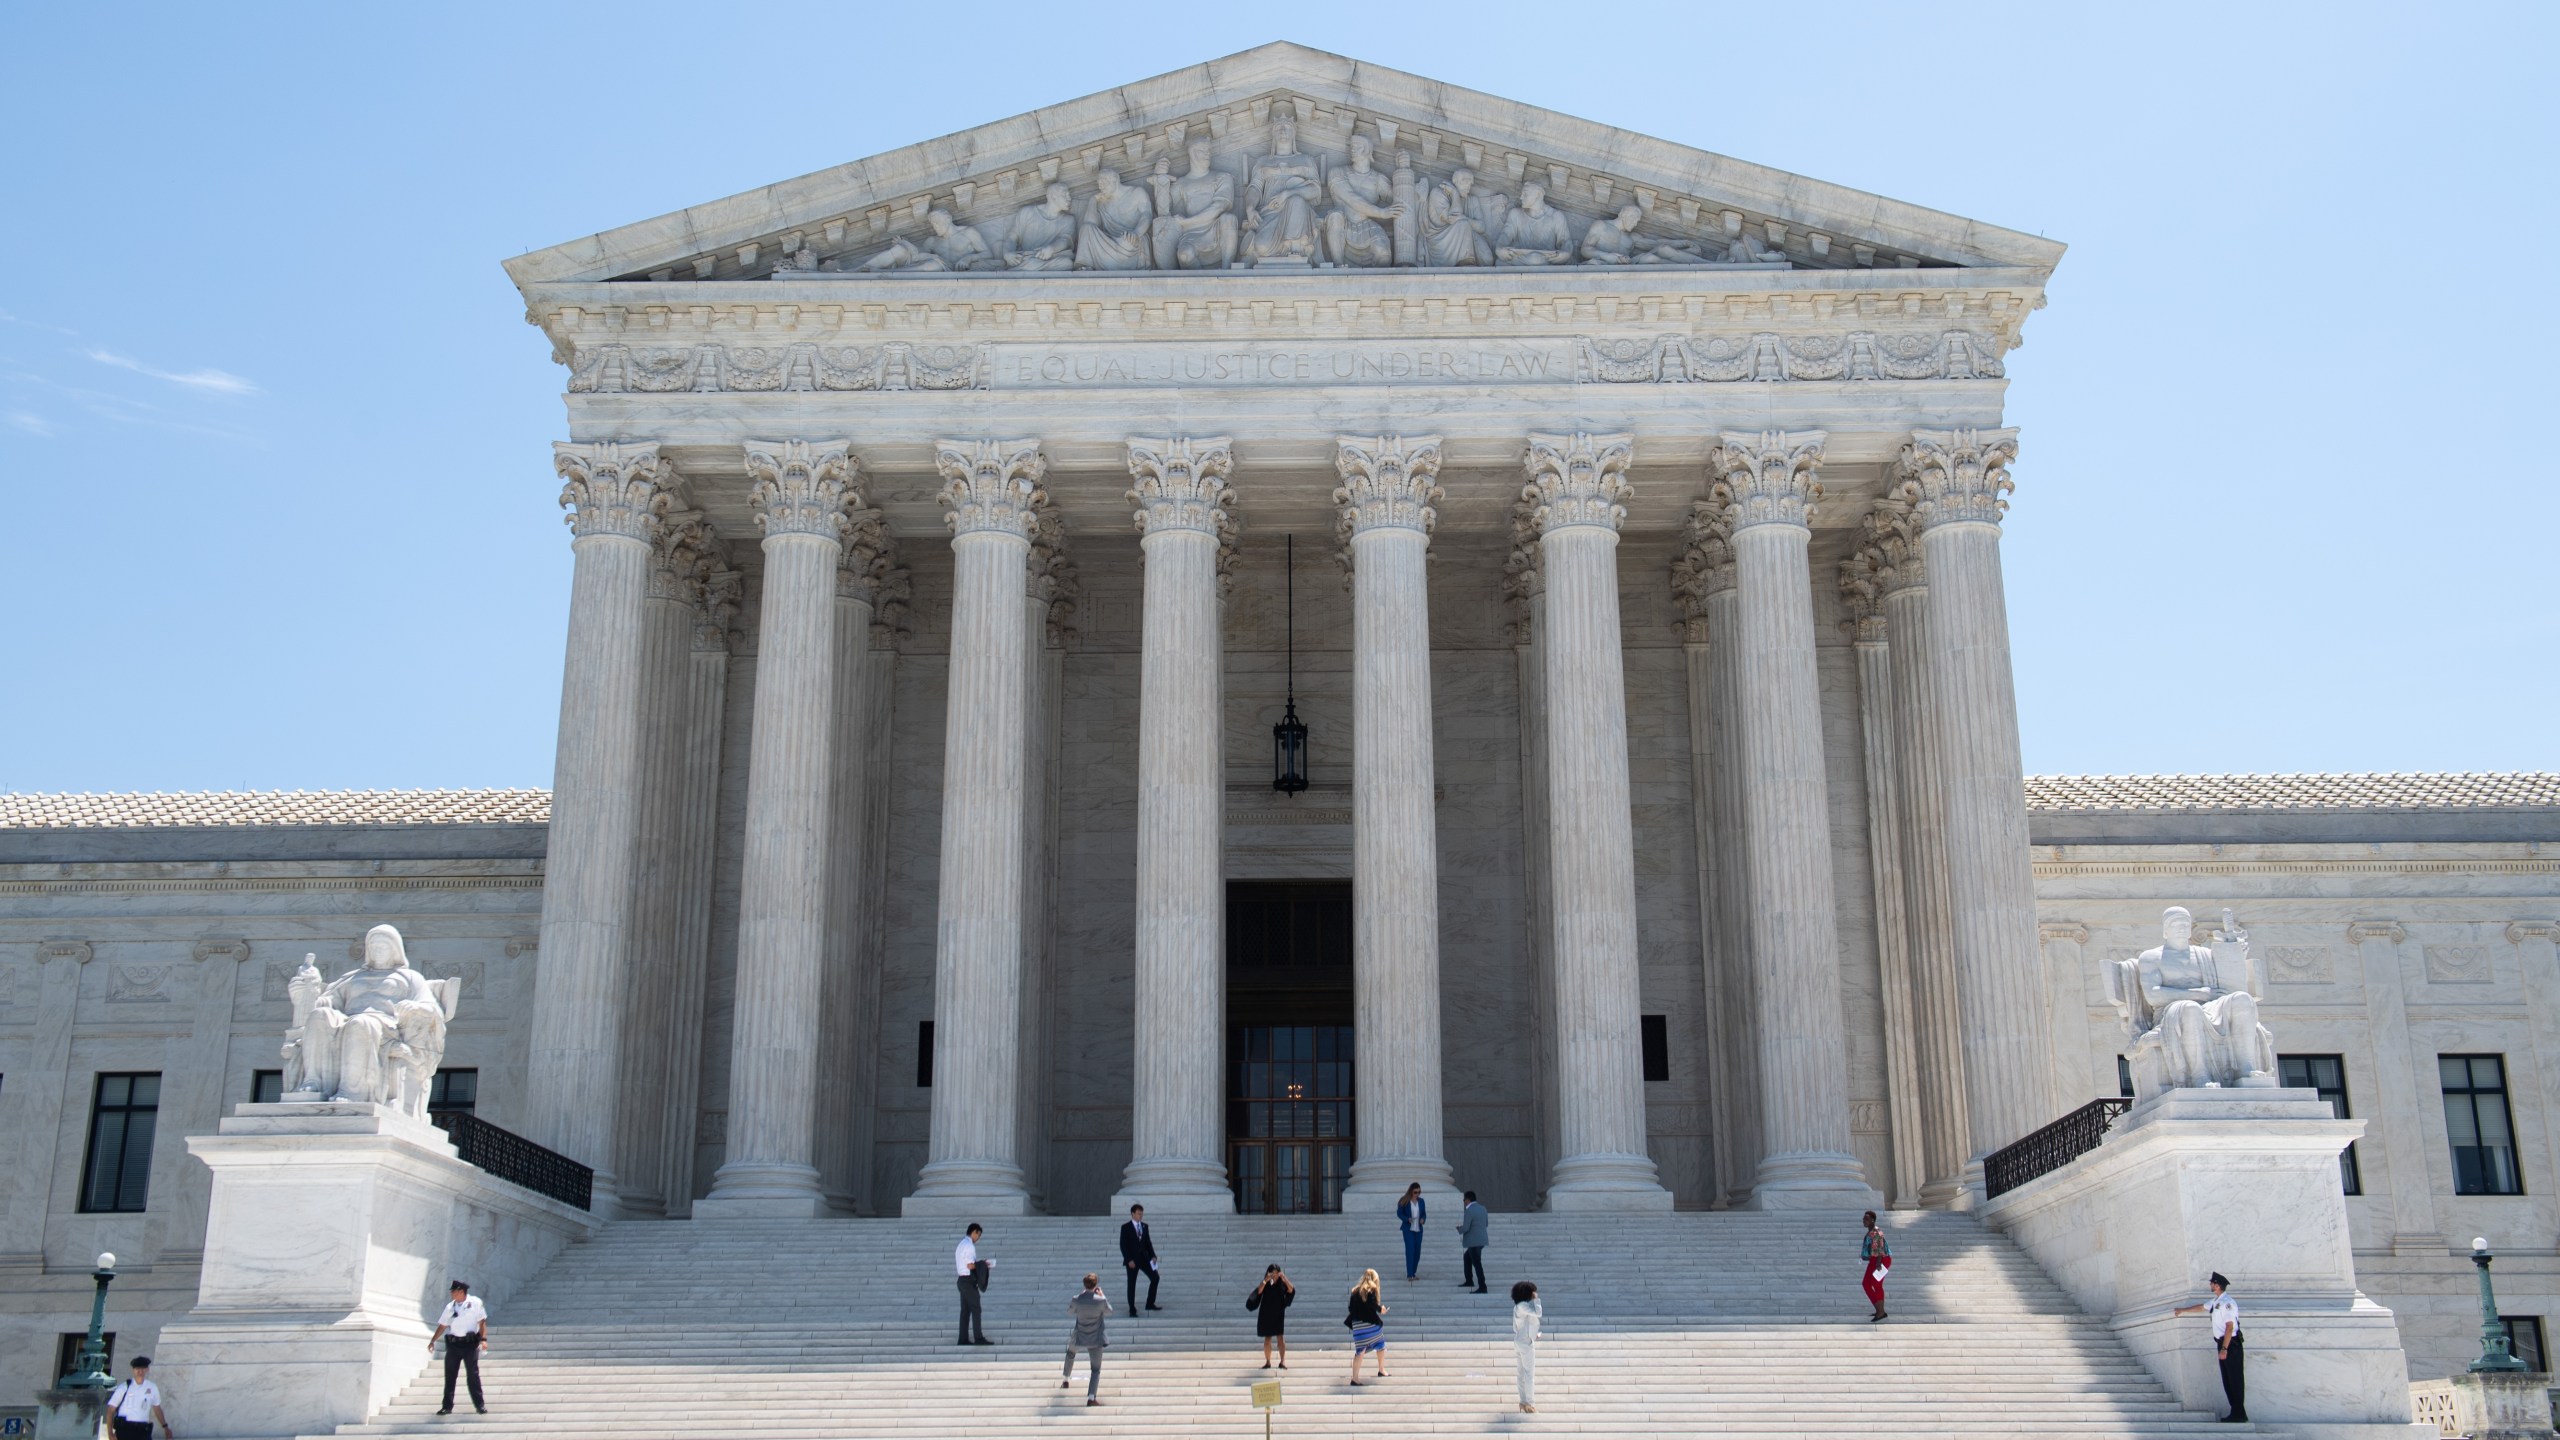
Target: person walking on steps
(1527,1315)
(135,1403)
(1411,1212)
(2223,1314)
(974,1274)
(1089,1308)
(1875,1257)
(1138,1257)
(1474,1223)
(1269,1303)
(465,1328)
(1368,1324)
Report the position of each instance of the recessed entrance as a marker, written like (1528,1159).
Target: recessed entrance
(1289,1049)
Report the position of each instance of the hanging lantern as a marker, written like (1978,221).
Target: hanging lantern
(1289,737)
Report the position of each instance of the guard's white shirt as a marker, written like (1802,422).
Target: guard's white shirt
(464,1316)
(2223,1314)
(965,1256)
(134,1399)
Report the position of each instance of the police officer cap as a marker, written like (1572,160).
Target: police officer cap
(2216,1278)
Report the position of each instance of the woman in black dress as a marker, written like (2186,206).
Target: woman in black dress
(1269,1303)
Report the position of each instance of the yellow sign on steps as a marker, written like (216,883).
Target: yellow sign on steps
(1266,1393)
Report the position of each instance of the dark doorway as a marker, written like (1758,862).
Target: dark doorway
(1289,1088)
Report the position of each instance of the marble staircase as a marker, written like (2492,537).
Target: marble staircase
(1690,1324)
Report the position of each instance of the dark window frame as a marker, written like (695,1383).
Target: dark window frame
(2525,1331)
(2491,1172)
(924,1054)
(66,1353)
(2350,1172)
(126,1125)
(266,1087)
(1654,1034)
(441,1096)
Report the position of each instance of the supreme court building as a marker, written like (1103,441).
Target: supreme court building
(1622,523)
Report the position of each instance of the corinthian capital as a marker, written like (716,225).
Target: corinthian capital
(1704,564)
(1767,477)
(715,611)
(1862,596)
(1181,483)
(991,486)
(614,489)
(678,556)
(1889,546)
(1578,479)
(865,553)
(1958,477)
(1386,482)
(802,487)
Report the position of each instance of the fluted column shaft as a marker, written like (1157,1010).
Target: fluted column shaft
(992,491)
(1729,901)
(1768,480)
(844,1061)
(706,707)
(1387,500)
(1525,586)
(801,493)
(1580,486)
(1957,478)
(1177,1156)
(574,1062)
(1705,563)
(1903,1105)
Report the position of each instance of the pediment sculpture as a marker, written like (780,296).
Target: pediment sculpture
(2190,1015)
(374,1035)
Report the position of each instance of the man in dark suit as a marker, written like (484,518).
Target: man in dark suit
(1138,1254)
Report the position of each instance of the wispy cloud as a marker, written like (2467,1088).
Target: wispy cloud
(219,381)
(28,421)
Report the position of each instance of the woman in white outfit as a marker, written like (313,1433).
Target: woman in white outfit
(1526,1312)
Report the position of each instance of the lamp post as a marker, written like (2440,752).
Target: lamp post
(1289,737)
(89,1372)
(2494,1354)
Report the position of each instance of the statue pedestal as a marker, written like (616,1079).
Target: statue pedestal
(2245,1182)
(2491,1405)
(70,1414)
(332,1234)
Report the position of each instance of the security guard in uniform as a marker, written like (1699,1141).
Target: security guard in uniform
(2223,1314)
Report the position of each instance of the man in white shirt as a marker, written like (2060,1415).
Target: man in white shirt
(973,1281)
(135,1403)
(465,1328)
(2223,1314)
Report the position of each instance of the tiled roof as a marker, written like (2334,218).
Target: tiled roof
(211,808)
(2513,790)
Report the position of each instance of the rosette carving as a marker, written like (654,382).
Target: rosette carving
(1579,479)
(1181,483)
(1767,477)
(991,486)
(802,487)
(1958,477)
(614,489)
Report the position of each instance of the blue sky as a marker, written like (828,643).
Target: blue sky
(274,440)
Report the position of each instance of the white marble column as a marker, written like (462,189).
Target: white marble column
(2403,1076)
(1891,538)
(715,608)
(1956,479)
(1387,500)
(1048,595)
(1579,482)
(1177,1158)
(802,492)
(2538,960)
(2076,1078)
(1767,480)
(573,1068)
(1700,570)
(844,1059)
(1879,746)
(1712,530)
(1525,589)
(992,490)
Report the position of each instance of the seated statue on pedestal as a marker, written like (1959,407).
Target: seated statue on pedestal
(373,1035)
(2188,1011)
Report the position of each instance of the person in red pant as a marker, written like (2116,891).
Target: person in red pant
(1875,1257)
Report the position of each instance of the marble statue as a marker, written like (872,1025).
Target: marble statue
(950,246)
(1533,234)
(1612,241)
(1451,232)
(2189,1012)
(1043,236)
(1487,208)
(1113,235)
(374,1034)
(1281,191)
(1747,250)
(1195,224)
(1359,229)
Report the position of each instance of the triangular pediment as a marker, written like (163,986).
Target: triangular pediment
(898,209)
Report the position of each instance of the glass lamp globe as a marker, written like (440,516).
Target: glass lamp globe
(106,1259)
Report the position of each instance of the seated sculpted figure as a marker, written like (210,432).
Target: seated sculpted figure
(1613,241)
(1451,234)
(1043,236)
(1359,230)
(374,1034)
(1281,190)
(1195,225)
(2188,1011)
(1114,232)
(950,246)
(1533,234)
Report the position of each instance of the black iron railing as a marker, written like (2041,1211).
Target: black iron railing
(518,1161)
(2052,1147)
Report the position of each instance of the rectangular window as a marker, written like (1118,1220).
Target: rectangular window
(66,1351)
(924,1054)
(2524,1338)
(1657,1047)
(266,1087)
(453,1092)
(2477,1122)
(2328,1075)
(117,1177)
(2124,1077)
